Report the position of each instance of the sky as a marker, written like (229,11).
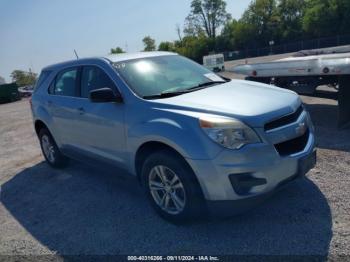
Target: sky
(36,33)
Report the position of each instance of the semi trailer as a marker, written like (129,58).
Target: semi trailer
(304,72)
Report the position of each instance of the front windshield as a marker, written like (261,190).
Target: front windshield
(162,74)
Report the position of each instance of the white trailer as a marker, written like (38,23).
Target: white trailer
(304,72)
(215,62)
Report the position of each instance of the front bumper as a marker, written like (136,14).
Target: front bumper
(234,207)
(261,161)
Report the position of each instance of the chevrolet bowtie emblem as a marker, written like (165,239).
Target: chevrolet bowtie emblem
(301,129)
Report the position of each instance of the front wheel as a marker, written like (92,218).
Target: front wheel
(171,187)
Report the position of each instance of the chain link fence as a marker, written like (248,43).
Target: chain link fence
(289,48)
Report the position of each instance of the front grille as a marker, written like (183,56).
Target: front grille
(293,146)
(285,120)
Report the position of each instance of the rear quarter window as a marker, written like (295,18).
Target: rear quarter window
(43,76)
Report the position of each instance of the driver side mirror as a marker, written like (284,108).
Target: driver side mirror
(105,95)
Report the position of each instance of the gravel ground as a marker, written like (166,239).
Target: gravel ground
(82,210)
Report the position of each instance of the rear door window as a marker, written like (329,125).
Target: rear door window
(66,83)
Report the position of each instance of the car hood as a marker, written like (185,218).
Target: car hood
(251,102)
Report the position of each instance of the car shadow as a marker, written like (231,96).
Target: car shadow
(83,210)
(327,94)
(328,135)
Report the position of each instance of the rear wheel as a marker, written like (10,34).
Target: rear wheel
(171,187)
(52,154)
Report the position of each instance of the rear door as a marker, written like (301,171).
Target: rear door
(63,104)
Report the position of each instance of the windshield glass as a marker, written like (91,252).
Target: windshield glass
(161,74)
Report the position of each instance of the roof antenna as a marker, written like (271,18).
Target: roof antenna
(76,54)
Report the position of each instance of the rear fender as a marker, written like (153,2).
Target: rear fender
(41,114)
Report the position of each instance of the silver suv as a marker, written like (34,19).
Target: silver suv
(194,139)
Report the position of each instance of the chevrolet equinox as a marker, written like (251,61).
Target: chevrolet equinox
(195,140)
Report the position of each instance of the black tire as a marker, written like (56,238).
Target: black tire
(58,160)
(194,204)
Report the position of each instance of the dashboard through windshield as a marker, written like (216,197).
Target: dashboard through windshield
(157,75)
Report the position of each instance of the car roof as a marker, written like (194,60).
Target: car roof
(114,58)
(130,56)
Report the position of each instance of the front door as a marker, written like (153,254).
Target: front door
(102,124)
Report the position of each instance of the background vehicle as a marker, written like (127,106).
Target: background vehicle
(305,71)
(214,62)
(9,93)
(25,91)
(191,137)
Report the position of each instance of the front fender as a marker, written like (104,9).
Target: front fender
(187,139)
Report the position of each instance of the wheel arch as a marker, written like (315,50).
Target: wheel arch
(38,125)
(149,147)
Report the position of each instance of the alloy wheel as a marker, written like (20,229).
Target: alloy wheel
(167,190)
(48,148)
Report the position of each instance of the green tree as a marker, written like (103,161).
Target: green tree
(117,50)
(178,31)
(264,20)
(23,78)
(318,18)
(166,46)
(262,17)
(195,47)
(326,17)
(149,43)
(290,13)
(206,16)
(343,13)
(237,35)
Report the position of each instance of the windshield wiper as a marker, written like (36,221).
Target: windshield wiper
(205,84)
(165,95)
(180,92)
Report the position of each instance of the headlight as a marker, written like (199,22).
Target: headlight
(228,132)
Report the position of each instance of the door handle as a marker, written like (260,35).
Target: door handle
(49,103)
(81,110)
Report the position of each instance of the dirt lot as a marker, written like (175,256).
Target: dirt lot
(82,210)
